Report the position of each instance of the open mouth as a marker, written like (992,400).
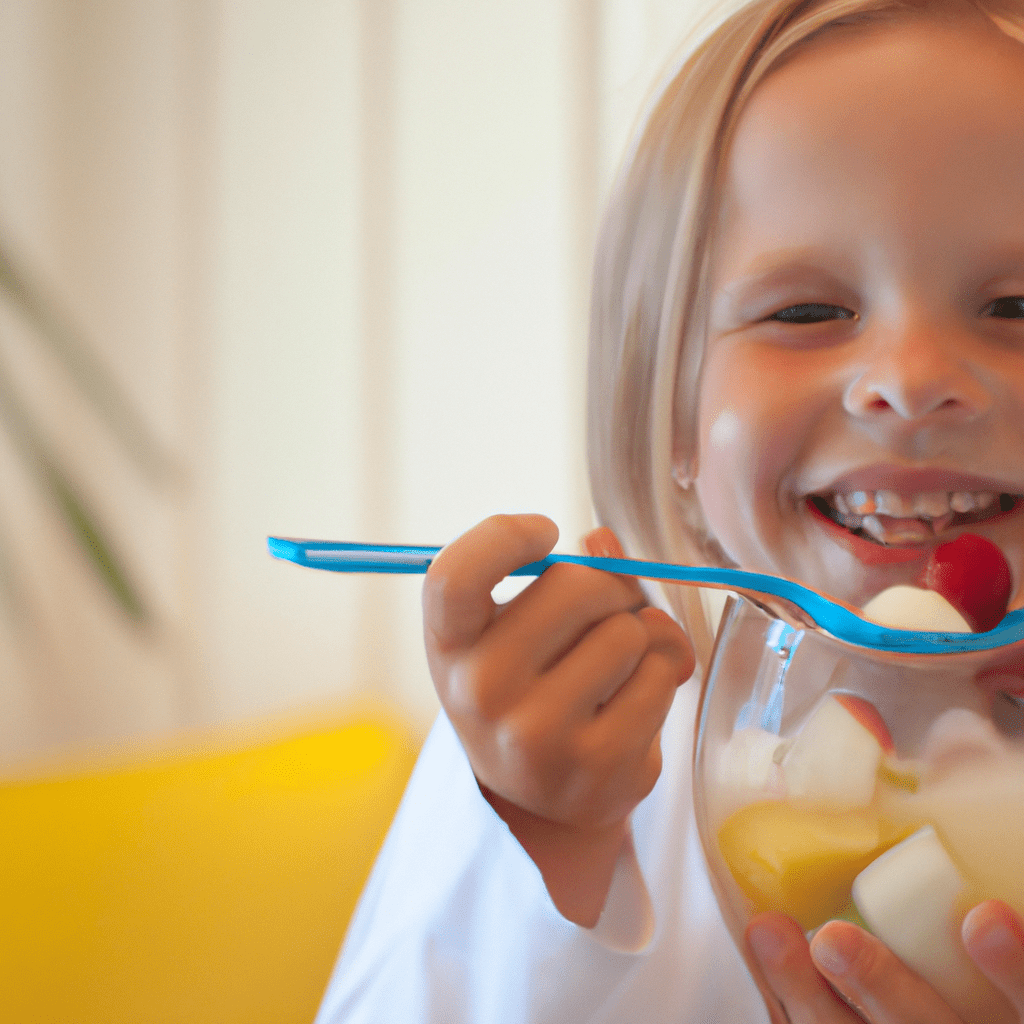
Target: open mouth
(892,519)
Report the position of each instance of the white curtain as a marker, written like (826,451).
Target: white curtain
(338,251)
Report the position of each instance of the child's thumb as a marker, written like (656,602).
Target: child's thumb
(602,543)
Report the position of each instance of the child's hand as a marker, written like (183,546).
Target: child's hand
(798,974)
(558,696)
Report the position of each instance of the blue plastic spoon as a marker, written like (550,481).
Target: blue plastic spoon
(842,622)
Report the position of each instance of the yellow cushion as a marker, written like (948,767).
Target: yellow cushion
(210,883)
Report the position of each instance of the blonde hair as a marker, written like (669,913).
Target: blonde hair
(648,305)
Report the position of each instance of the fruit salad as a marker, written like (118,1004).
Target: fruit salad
(833,821)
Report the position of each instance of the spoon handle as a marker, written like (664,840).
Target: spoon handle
(830,616)
(342,556)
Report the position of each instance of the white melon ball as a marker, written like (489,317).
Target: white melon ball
(960,735)
(906,607)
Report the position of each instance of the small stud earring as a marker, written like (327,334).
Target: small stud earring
(683,473)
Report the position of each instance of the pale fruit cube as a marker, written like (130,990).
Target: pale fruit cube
(958,736)
(799,860)
(834,759)
(749,763)
(912,899)
(977,807)
(906,607)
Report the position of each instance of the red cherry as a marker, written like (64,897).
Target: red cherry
(972,574)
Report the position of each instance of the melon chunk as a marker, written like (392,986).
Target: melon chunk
(802,861)
(908,898)
(749,762)
(912,898)
(835,757)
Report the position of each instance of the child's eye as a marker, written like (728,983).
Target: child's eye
(1010,307)
(811,313)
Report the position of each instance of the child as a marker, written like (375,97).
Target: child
(810,284)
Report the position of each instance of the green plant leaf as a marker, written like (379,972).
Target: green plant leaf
(94,544)
(92,379)
(74,511)
(10,586)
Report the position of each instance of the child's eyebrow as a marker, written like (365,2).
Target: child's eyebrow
(1005,262)
(775,276)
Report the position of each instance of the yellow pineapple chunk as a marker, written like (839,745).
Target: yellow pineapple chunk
(802,861)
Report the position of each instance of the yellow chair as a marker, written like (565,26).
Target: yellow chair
(209,883)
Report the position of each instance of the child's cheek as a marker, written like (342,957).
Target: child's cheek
(726,480)
(725,431)
(721,471)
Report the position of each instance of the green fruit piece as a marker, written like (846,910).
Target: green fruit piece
(851,914)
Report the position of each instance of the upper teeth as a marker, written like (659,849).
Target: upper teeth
(925,505)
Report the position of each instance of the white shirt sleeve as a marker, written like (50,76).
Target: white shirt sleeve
(455,925)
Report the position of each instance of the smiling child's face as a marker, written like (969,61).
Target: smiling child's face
(862,398)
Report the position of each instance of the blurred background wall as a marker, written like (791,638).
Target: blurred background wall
(338,252)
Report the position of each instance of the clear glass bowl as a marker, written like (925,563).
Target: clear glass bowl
(887,789)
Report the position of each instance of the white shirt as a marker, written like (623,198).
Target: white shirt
(455,925)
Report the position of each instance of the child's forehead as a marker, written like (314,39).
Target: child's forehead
(906,75)
(920,41)
(872,140)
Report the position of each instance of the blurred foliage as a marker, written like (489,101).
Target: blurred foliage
(50,328)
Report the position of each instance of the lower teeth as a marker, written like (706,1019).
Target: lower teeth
(903,531)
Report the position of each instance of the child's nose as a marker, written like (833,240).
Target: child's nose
(915,374)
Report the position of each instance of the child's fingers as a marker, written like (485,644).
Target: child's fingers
(559,695)
(628,726)
(590,674)
(781,952)
(592,724)
(668,639)
(530,635)
(845,959)
(994,938)
(639,707)
(555,612)
(874,979)
(655,657)
(587,639)
(457,602)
